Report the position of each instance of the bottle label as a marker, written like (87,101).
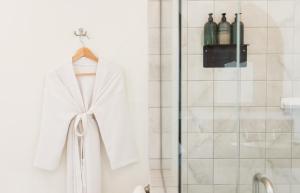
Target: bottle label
(224,37)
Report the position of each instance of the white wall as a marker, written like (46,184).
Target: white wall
(37,36)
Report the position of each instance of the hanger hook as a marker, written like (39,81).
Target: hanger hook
(81,33)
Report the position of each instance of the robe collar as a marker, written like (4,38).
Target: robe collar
(67,76)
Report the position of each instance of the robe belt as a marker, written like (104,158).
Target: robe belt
(80,129)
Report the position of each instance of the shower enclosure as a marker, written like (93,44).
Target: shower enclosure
(222,125)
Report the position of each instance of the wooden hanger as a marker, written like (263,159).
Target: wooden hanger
(83,52)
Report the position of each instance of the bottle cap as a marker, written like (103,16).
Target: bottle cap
(210,18)
(223,16)
(236,15)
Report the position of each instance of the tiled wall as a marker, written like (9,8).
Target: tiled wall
(154,95)
(225,143)
(161,68)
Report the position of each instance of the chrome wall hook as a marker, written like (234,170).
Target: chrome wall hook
(81,33)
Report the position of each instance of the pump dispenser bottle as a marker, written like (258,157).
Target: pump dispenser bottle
(235,31)
(224,30)
(210,31)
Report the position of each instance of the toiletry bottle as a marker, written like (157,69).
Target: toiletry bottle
(224,30)
(210,31)
(235,31)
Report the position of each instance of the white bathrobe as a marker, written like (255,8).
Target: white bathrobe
(86,123)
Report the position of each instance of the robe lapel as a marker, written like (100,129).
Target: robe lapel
(105,78)
(66,74)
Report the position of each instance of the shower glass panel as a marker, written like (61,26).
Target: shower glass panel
(211,93)
(241,118)
(169,76)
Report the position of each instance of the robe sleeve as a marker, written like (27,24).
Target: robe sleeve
(112,115)
(56,115)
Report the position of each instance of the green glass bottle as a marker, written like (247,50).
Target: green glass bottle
(235,31)
(224,31)
(210,31)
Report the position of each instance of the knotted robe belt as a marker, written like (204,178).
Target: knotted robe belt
(78,155)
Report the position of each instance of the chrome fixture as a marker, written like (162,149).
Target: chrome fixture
(265,181)
(147,188)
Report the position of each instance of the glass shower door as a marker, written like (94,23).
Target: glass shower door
(241,118)
(211,94)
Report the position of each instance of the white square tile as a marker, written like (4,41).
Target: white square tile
(184,67)
(281,13)
(155,179)
(200,145)
(167,99)
(278,121)
(296,75)
(257,40)
(184,171)
(280,67)
(154,150)
(184,145)
(184,118)
(166,143)
(195,40)
(167,118)
(296,171)
(200,171)
(168,70)
(295,188)
(157,189)
(154,67)
(154,94)
(226,93)
(166,41)
(226,119)
(250,167)
(200,120)
(154,120)
(230,7)
(198,12)
(280,40)
(254,13)
(296,41)
(226,74)
(184,92)
(196,71)
(253,93)
(296,145)
(226,145)
(184,13)
(185,40)
(200,188)
(245,189)
(256,67)
(279,170)
(276,90)
(166,13)
(224,188)
(225,171)
(279,145)
(252,145)
(253,119)
(200,93)
(282,188)
(154,41)
(296,88)
(154,164)
(153,13)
